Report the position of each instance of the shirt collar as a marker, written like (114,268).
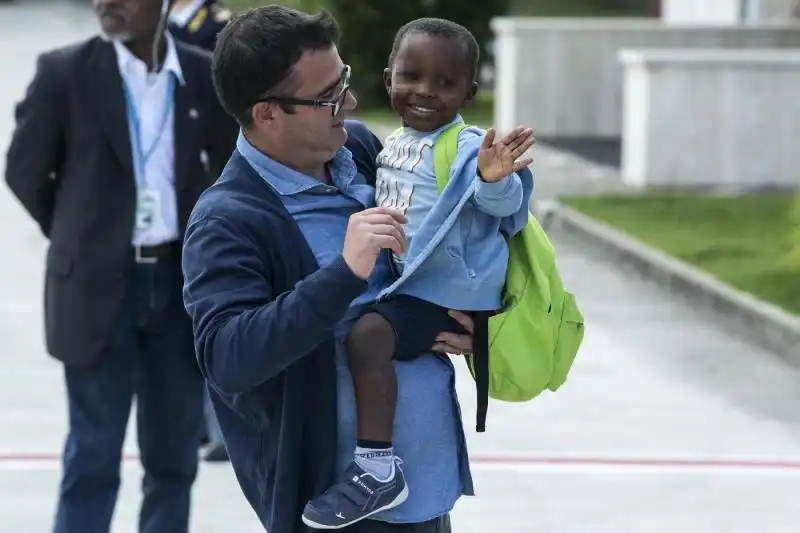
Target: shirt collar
(127,62)
(458,119)
(286,181)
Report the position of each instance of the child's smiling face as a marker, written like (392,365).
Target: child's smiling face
(430,80)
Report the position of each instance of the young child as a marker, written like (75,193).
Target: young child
(456,256)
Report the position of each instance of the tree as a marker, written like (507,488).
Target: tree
(368,30)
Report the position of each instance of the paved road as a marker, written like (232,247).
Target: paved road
(667,424)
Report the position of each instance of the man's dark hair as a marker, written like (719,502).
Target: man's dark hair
(445,29)
(257,50)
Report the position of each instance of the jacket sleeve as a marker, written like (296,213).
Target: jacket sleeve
(36,152)
(500,199)
(246,333)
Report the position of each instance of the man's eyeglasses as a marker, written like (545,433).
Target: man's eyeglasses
(335,103)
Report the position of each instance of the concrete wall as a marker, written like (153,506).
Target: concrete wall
(769,10)
(725,11)
(711,118)
(701,11)
(561,76)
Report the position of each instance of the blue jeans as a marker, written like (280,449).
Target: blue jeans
(151,358)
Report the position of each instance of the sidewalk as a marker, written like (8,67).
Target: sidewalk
(667,423)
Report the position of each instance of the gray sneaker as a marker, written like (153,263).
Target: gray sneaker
(357,496)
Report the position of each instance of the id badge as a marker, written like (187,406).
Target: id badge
(148,208)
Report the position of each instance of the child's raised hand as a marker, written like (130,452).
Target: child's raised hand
(497,160)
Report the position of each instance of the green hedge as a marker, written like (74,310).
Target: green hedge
(309,6)
(368,29)
(369,26)
(794,238)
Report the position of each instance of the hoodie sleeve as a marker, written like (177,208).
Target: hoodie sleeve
(507,198)
(499,199)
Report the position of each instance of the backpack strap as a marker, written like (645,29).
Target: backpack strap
(480,365)
(445,150)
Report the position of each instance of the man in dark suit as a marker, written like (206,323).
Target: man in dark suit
(115,139)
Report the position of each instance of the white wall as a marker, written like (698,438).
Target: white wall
(561,75)
(725,11)
(701,11)
(769,10)
(711,118)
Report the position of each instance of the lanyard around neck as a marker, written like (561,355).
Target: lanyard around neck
(140,155)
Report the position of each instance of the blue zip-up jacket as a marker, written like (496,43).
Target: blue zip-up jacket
(264,315)
(458,256)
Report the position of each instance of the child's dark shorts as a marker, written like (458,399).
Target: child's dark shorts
(416,324)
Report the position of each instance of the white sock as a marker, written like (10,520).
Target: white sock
(378,462)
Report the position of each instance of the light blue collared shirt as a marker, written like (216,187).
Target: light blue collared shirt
(429,435)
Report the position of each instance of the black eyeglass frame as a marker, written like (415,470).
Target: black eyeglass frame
(335,103)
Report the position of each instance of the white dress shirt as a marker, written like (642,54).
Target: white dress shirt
(150,95)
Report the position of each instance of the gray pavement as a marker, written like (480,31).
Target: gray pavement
(667,424)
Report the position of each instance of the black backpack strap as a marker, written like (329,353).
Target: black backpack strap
(480,364)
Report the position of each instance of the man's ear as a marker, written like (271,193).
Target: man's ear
(387,80)
(262,112)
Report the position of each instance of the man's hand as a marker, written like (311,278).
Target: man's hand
(453,343)
(498,160)
(369,232)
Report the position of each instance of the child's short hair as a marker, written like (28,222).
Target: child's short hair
(447,29)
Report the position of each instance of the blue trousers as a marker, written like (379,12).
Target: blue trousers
(151,358)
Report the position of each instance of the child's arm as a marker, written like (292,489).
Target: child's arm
(500,198)
(499,190)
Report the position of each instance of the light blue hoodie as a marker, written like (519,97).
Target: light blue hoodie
(458,254)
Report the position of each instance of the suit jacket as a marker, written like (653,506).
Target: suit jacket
(69,164)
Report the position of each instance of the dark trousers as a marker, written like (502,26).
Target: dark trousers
(437,525)
(152,359)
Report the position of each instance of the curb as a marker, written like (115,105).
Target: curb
(763,323)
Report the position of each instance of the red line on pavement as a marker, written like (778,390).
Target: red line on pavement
(645,462)
(528,460)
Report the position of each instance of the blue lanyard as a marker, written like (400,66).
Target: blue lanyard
(141,157)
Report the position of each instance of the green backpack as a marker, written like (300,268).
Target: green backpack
(530,345)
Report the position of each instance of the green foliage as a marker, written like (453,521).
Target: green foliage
(309,6)
(368,26)
(368,30)
(794,238)
(586,8)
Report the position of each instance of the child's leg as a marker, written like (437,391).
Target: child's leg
(370,347)
(401,328)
